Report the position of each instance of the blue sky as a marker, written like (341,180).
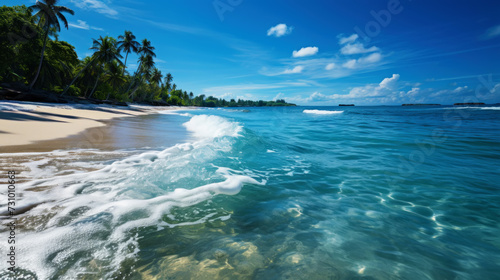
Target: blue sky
(367,52)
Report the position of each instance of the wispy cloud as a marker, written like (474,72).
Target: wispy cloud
(294,70)
(491,33)
(357,48)
(279,96)
(84,25)
(279,30)
(95,5)
(363,61)
(350,39)
(245,89)
(307,51)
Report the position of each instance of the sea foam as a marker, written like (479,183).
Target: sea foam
(322,112)
(208,126)
(97,211)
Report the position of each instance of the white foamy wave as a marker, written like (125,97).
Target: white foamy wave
(208,126)
(322,112)
(98,211)
(472,107)
(17,106)
(490,108)
(174,112)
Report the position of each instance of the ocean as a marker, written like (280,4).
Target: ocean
(267,193)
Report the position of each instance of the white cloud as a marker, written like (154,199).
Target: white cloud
(278,96)
(96,5)
(279,30)
(317,96)
(357,48)
(460,89)
(390,83)
(363,61)
(350,39)
(84,25)
(308,51)
(350,64)
(295,70)
(330,66)
(413,91)
(372,58)
(492,32)
(393,91)
(382,93)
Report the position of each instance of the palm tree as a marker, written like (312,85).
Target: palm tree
(88,62)
(146,48)
(114,76)
(89,71)
(49,13)
(168,81)
(156,76)
(128,44)
(146,64)
(105,53)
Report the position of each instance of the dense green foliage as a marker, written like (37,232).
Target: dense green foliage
(31,54)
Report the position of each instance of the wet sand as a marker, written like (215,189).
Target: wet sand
(47,128)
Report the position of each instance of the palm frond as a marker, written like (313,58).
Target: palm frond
(63,19)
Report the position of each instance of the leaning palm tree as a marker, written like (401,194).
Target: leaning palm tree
(114,76)
(156,76)
(168,82)
(89,71)
(87,63)
(48,14)
(128,44)
(105,53)
(146,48)
(146,64)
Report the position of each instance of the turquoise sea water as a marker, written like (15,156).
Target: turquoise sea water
(272,193)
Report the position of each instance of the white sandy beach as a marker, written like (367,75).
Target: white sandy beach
(23,123)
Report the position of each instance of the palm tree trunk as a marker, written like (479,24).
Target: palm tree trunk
(133,80)
(41,60)
(109,93)
(76,77)
(130,86)
(126,56)
(135,89)
(95,86)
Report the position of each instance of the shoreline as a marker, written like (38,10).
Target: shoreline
(30,127)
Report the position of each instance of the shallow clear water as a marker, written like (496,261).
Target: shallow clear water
(272,193)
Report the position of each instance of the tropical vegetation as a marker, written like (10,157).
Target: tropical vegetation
(31,54)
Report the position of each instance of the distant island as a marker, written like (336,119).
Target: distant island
(346,104)
(418,104)
(468,104)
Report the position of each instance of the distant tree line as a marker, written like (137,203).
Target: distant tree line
(32,54)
